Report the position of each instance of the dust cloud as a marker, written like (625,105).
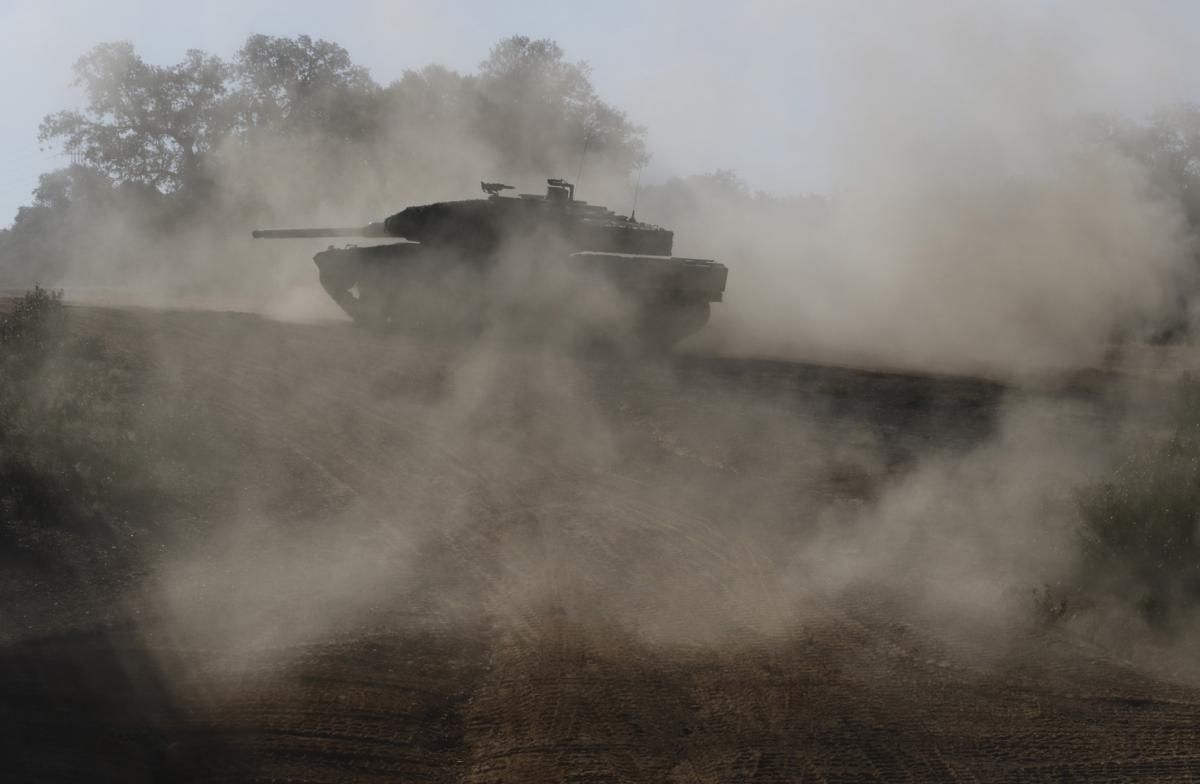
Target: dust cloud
(976,220)
(973,226)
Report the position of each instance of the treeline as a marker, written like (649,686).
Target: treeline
(294,126)
(161,125)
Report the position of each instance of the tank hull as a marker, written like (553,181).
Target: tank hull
(653,300)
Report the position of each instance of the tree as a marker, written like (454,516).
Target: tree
(1167,146)
(145,123)
(298,85)
(433,97)
(542,113)
(70,206)
(54,197)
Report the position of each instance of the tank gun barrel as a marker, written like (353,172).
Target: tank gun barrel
(370,230)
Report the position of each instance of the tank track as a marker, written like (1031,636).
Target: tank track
(408,287)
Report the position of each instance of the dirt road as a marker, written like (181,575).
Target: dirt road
(423,561)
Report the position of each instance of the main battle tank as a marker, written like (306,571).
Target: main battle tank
(444,270)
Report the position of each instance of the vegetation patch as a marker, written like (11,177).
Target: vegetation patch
(1139,523)
(63,404)
(94,459)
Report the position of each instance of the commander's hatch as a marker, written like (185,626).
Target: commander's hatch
(557,192)
(560,190)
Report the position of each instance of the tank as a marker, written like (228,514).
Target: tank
(444,270)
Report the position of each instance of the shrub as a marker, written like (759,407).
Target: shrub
(36,318)
(57,413)
(1139,531)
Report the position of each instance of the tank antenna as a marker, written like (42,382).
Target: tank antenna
(582,155)
(637,185)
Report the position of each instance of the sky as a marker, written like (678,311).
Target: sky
(750,86)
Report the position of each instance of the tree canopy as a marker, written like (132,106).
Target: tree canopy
(533,101)
(1168,147)
(145,123)
(534,109)
(298,85)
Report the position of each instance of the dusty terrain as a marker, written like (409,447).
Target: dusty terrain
(421,561)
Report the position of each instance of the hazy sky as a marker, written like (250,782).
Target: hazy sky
(750,86)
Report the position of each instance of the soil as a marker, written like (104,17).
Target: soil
(414,560)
